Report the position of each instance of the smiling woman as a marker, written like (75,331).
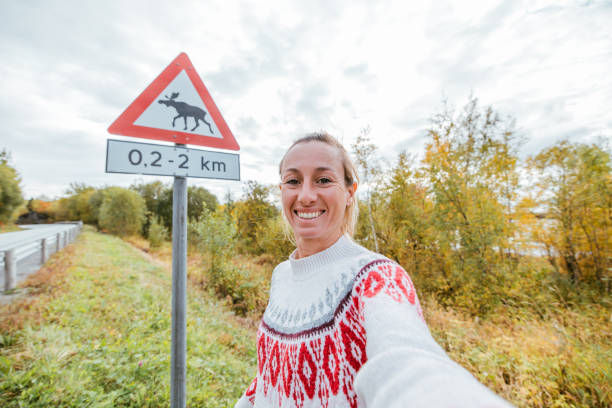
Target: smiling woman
(343,326)
(318,195)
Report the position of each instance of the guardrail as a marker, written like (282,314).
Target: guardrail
(42,239)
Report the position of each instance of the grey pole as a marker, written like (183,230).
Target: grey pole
(10,263)
(179,293)
(44,250)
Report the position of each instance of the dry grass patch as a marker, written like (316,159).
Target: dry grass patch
(565,361)
(42,286)
(9,228)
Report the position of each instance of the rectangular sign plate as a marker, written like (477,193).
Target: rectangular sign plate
(163,160)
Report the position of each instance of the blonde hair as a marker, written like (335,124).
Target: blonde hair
(350,175)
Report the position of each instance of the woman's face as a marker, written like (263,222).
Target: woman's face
(314,194)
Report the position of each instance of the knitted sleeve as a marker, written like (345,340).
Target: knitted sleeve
(405,366)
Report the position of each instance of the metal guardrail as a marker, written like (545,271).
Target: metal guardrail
(42,239)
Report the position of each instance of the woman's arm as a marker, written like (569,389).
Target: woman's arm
(405,366)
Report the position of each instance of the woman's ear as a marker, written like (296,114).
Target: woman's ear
(352,189)
(351,193)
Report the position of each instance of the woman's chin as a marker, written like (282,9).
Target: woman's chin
(308,235)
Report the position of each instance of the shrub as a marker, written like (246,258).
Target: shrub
(122,212)
(252,211)
(157,233)
(214,235)
(77,206)
(272,240)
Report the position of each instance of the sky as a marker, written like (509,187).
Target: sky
(280,69)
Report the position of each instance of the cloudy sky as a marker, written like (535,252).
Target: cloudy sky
(279,69)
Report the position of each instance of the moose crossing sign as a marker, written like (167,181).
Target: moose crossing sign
(176,107)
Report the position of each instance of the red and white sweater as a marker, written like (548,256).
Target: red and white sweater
(344,328)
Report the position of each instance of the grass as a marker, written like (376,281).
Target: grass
(563,361)
(9,228)
(553,355)
(96,332)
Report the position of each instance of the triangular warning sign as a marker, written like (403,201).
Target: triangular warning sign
(176,107)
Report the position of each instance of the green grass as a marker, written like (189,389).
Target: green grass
(9,228)
(97,334)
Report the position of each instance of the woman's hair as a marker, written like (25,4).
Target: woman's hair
(350,174)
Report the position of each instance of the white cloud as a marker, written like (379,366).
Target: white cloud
(280,69)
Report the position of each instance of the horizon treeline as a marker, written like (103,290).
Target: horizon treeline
(473,224)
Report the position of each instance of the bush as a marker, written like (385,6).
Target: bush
(77,206)
(157,233)
(199,198)
(252,211)
(122,212)
(214,236)
(272,240)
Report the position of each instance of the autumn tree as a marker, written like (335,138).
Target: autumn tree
(574,192)
(158,198)
(470,166)
(252,213)
(76,205)
(272,238)
(405,224)
(365,158)
(10,191)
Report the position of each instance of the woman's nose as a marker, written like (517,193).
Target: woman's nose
(307,193)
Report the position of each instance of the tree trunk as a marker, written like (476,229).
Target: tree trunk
(373,231)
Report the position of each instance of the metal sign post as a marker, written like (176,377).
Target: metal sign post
(179,293)
(152,116)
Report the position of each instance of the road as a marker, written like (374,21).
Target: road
(17,239)
(32,232)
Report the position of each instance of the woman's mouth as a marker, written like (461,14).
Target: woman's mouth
(308,215)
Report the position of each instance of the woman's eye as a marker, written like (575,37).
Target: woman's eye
(292,182)
(324,180)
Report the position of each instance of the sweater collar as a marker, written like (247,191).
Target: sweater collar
(304,267)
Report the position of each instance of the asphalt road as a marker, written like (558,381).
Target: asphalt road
(10,240)
(32,262)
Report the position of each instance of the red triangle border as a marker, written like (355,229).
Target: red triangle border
(124,124)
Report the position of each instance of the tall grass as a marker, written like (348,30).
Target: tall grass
(543,348)
(97,333)
(562,361)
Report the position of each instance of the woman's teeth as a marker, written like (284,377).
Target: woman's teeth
(309,215)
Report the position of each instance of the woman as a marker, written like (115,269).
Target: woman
(343,326)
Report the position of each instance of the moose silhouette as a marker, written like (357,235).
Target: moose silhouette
(184,111)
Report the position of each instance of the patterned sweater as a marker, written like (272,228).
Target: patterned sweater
(344,328)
